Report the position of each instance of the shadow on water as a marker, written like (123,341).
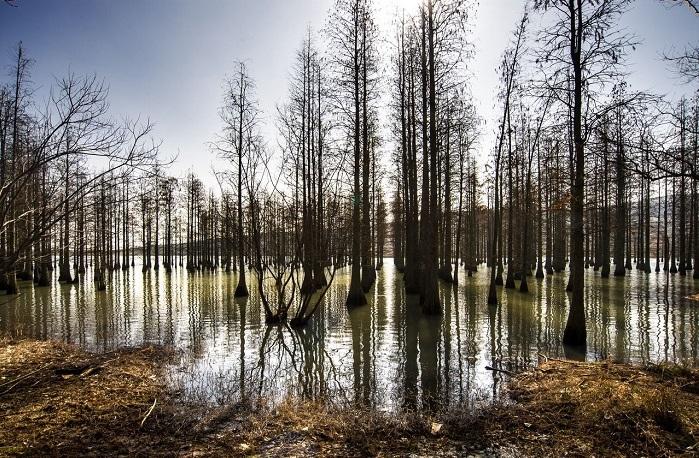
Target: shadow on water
(386,355)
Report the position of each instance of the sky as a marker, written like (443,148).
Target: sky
(166,60)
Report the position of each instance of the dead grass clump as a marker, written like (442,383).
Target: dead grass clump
(602,408)
(58,399)
(298,427)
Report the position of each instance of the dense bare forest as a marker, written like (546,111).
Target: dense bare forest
(581,177)
(381,170)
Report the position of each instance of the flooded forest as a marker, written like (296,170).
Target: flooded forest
(371,248)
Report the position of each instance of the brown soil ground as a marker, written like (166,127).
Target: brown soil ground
(56,399)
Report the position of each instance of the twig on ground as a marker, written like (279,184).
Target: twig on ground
(23,376)
(495,369)
(155,401)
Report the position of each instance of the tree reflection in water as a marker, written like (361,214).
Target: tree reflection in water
(387,355)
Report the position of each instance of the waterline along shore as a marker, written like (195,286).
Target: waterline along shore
(59,400)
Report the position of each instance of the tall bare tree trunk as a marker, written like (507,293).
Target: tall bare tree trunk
(575,333)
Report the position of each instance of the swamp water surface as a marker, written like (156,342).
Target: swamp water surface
(386,355)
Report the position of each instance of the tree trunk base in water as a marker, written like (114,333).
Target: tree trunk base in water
(64,274)
(241,290)
(319,279)
(42,278)
(510,281)
(368,277)
(276,318)
(574,352)
(410,279)
(492,295)
(445,274)
(355,299)
(575,337)
(431,305)
(308,286)
(299,322)
(524,287)
(11,285)
(307,289)
(412,290)
(100,284)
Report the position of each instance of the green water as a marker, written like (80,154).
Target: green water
(386,355)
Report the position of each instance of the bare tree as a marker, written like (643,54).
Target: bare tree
(72,133)
(240,116)
(580,51)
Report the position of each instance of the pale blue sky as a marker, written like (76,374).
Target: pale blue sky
(167,59)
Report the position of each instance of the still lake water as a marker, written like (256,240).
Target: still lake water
(386,354)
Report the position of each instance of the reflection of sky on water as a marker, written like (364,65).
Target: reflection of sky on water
(386,354)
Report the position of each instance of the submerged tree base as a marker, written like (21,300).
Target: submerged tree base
(10,285)
(241,290)
(59,400)
(356,299)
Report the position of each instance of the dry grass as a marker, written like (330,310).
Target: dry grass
(560,408)
(58,400)
(312,428)
(606,409)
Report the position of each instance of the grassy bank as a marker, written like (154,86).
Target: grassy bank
(56,399)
